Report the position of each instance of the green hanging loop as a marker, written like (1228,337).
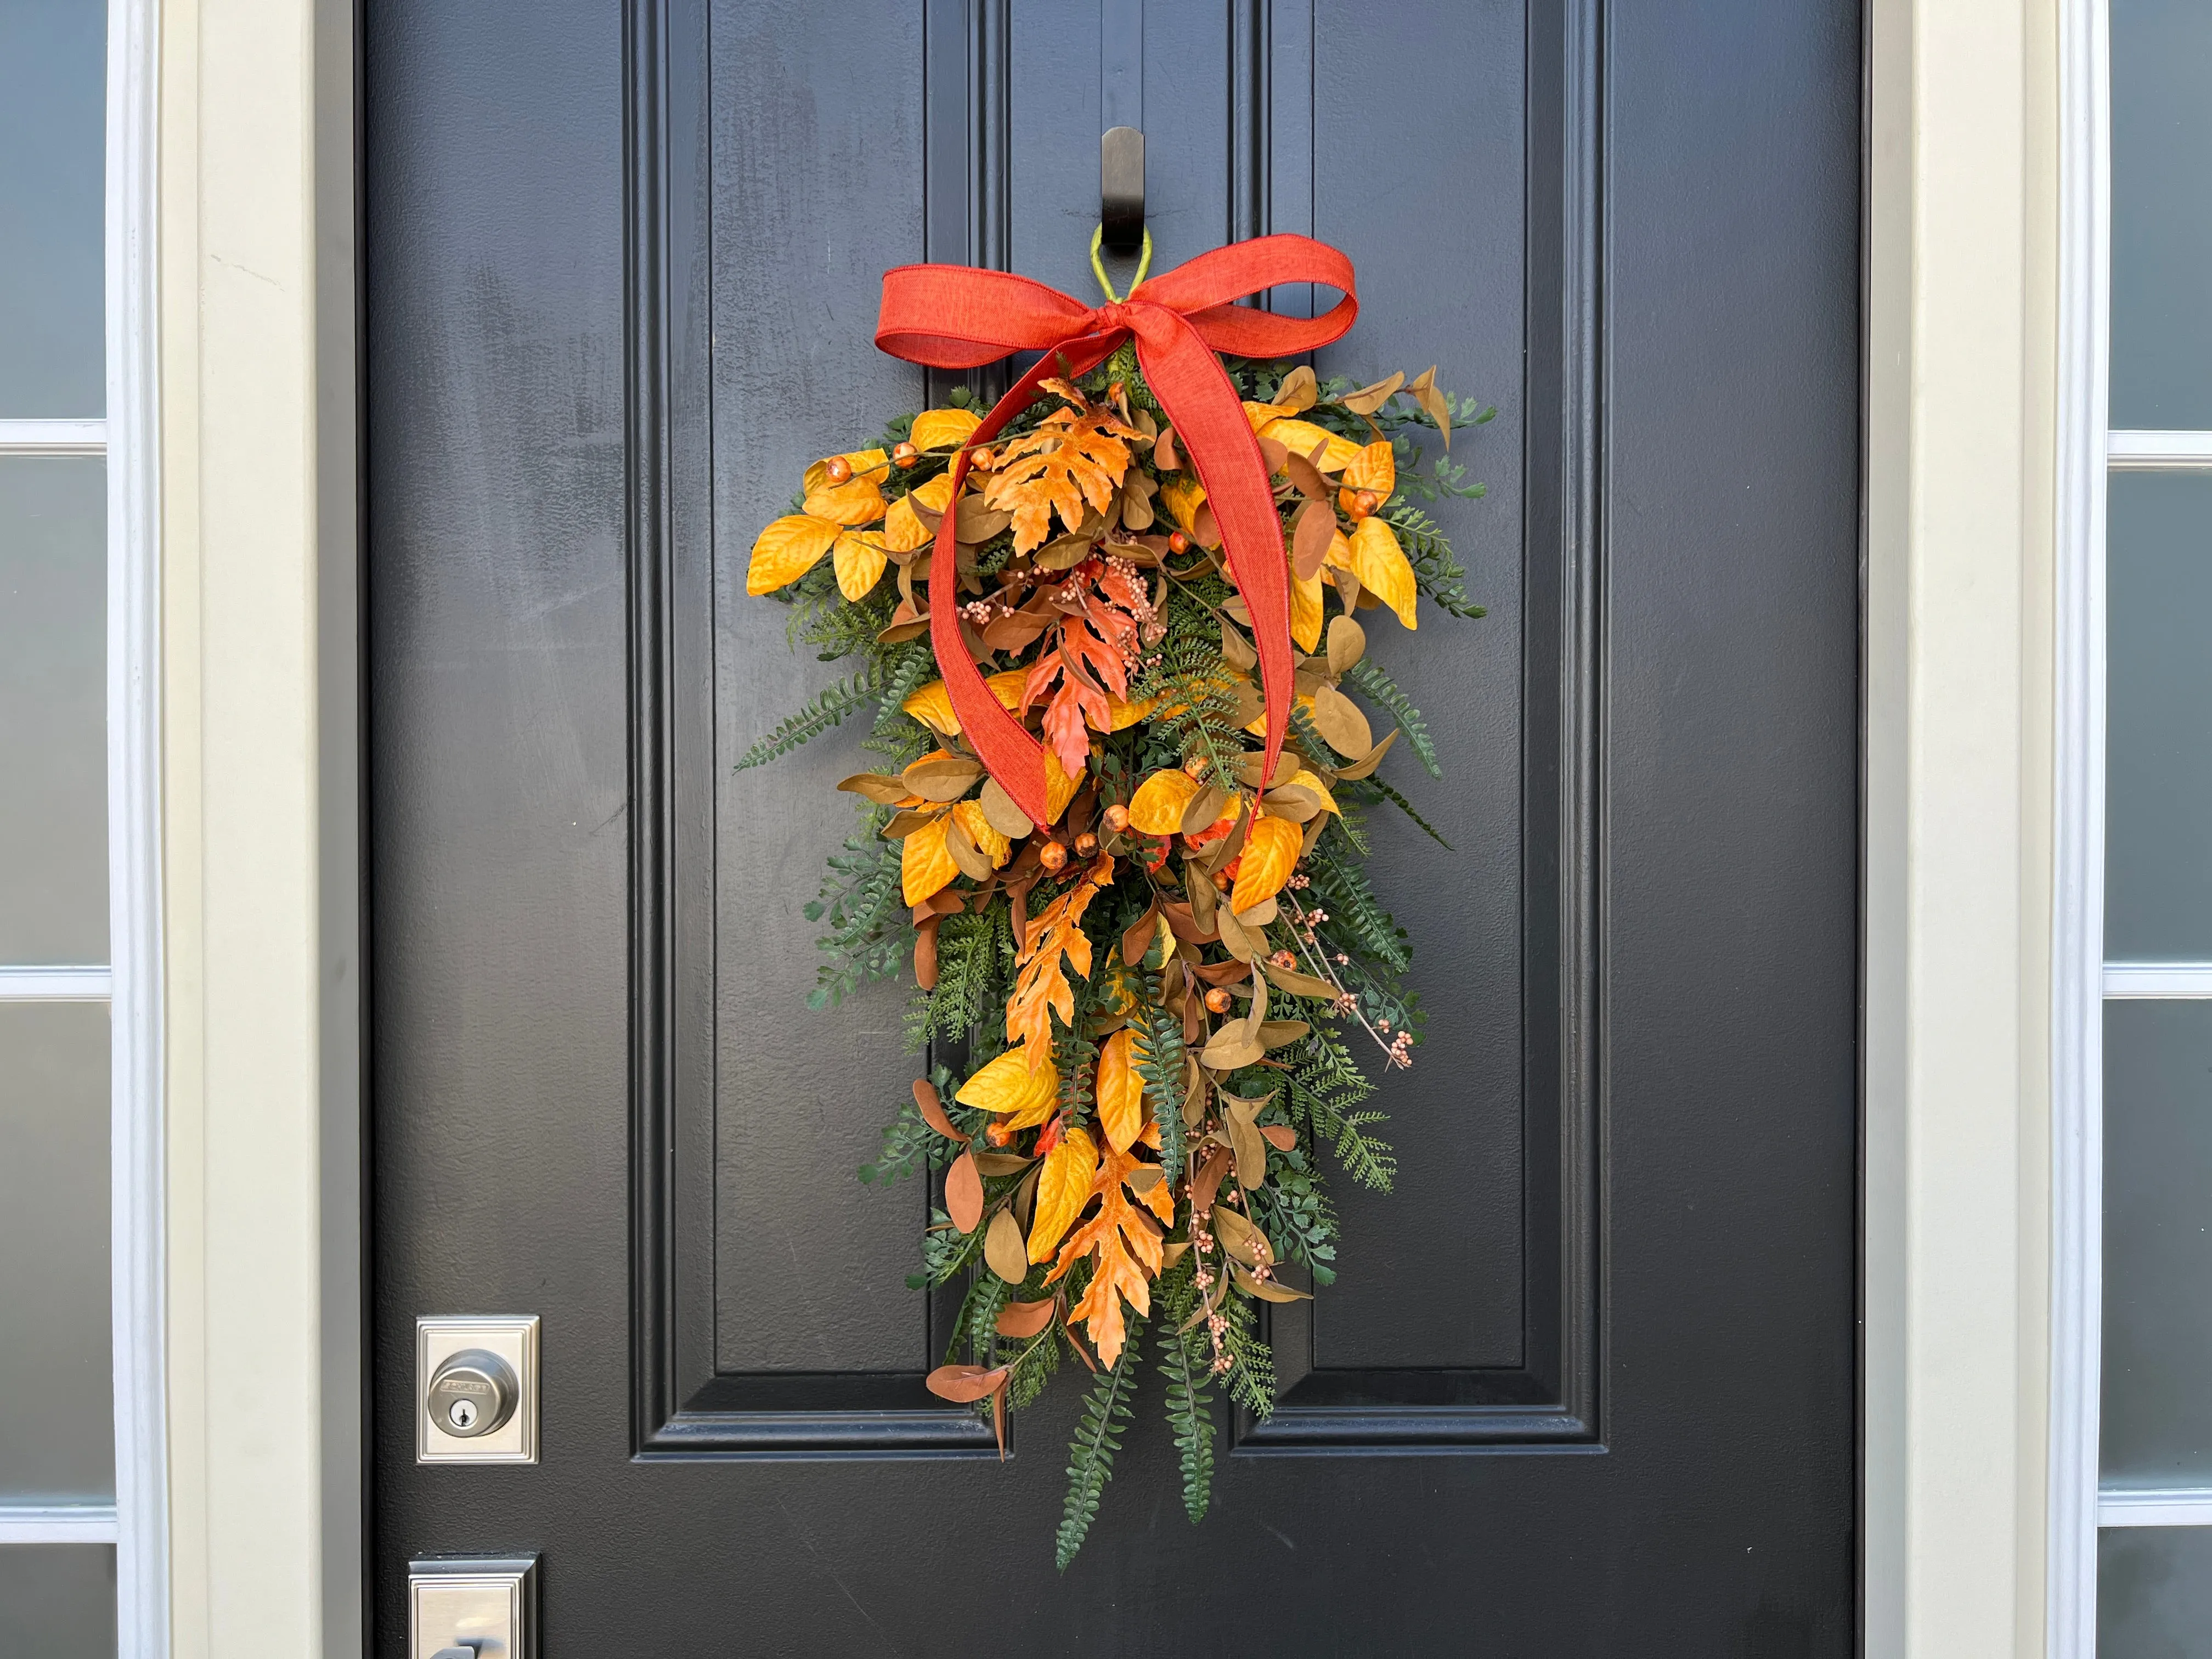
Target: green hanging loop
(1098,265)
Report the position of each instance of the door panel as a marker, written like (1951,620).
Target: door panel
(623,271)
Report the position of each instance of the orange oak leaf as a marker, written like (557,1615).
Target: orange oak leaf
(1041,984)
(1124,1242)
(1071,459)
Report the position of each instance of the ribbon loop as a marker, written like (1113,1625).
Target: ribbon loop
(959,317)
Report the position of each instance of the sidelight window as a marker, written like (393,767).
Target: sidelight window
(2134,1125)
(78,1416)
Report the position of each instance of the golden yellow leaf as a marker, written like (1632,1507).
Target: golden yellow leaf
(1008,1086)
(1119,714)
(1120,1091)
(993,845)
(1070,461)
(859,566)
(855,501)
(1059,788)
(1305,780)
(1008,687)
(1299,437)
(1041,986)
(943,428)
(925,865)
(931,705)
(1339,553)
(1156,808)
(787,550)
(903,530)
(1182,496)
(865,463)
(1270,852)
(1063,1188)
(1380,564)
(1306,610)
(1261,414)
(1375,469)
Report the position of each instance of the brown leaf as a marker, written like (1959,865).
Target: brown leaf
(1369,398)
(903,824)
(1137,937)
(1001,813)
(1286,768)
(1310,536)
(1338,718)
(1276,457)
(1005,1250)
(1245,1139)
(973,862)
(1239,1236)
(1280,1136)
(1310,484)
(976,524)
(1002,1164)
(963,1192)
(1165,456)
(1236,939)
(965,1384)
(1019,1319)
(1230,1049)
(1253,917)
(1203,908)
(932,1110)
(1280,1033)
(1298,390)
(1238,651)
(876,787)
(1348,644)
(1366,763)
(1301,985)
(944,777)
(1065,554)
(1202,809)
(1266,1290)
(924,951)
(1295,804)
(1208,1180)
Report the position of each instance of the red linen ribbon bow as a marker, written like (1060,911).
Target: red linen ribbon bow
(959,317)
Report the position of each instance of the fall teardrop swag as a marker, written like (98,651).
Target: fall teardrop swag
(1163,970)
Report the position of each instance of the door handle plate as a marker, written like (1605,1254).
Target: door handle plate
(484,1607)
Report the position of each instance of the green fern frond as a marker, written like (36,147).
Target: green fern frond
(1097,1439)
(1185,1358)
(1367,674)
(828,709)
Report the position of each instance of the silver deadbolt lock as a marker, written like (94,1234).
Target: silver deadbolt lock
(474,1392)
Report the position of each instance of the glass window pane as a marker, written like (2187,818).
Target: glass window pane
(2158,818)
(2154,1593)
(2161,213)
(52,154)
(53,728)
(56,1421)
(2158,1244)
(57,1601)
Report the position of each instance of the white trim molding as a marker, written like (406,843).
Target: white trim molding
(2159,452)
(2077,983)
(2172,1506)
(136,1159)
(56,984)
(59,1523)
(53,437)
(2170,981)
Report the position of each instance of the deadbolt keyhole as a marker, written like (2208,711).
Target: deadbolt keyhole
(472,1393)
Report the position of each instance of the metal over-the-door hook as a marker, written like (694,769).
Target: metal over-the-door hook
(1122,189)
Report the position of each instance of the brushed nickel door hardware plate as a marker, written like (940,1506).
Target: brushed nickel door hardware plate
(476,1390)
(472,1607)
